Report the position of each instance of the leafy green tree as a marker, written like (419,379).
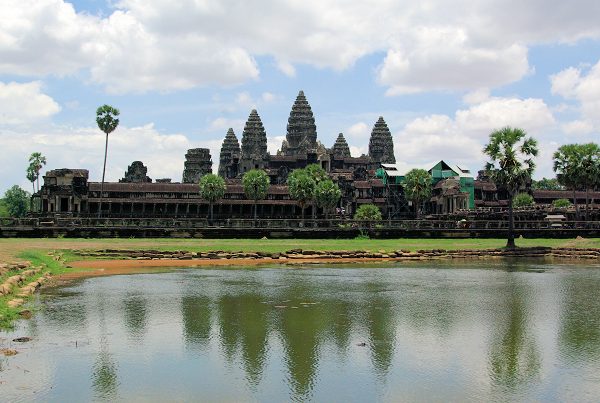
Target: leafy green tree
(316,172)
(36,162)
(16,201)
(327,195)
(368,212)
(106,118)
(417,187)
(319,175)
(511,165)
(566,165)
(256,185)
(212,188)
(547,184)
(523,200)
(561,203)
(3,209)
(301,187)
(589,170)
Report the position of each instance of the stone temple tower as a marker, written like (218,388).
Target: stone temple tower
(340,148)
(197,164)
(254,144)
(381,144)
(301,135)
(229,158)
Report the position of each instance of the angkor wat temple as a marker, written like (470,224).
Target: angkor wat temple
(372,178)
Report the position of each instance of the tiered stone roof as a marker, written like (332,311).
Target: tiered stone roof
(301,129)
(197,163)
(381,144)
(341,148)
(254,138)
(230,151)
(136,173)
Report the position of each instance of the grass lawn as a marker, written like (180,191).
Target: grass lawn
(11,249)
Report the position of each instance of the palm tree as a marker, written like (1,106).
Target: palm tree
(256,185)
(106,118)
(417,187)
(212,188)
(36,162)
(511,165)
(31,177)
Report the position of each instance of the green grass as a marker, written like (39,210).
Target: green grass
(37,258)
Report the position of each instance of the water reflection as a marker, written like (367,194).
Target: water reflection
(104,370)
(579,335)
(285,334)
(514,355)
(136,313)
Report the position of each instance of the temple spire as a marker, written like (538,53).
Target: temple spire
(381,144)
(254,143)
(230,155)
(301,129)
(340,148)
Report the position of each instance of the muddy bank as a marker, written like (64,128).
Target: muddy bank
(116,261)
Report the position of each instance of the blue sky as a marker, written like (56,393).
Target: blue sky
(183,73)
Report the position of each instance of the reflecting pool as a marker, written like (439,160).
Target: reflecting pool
(460,332)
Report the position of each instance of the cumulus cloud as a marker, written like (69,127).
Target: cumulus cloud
(21,103)
(147,45)
(163,154)
(583,87)
(461,138)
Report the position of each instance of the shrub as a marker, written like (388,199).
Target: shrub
(523,200)
(368,212)
(561,203)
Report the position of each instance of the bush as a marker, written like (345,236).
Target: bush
(16,201)
(523,200)
(561,203)
(368,212)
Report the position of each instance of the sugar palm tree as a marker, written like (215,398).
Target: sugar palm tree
(327,195)
(511,165)
(106,118)
(36,162)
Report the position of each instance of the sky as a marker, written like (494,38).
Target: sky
(443,75)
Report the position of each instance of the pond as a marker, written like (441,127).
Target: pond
(460,332)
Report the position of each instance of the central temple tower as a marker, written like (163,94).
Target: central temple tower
(301,135)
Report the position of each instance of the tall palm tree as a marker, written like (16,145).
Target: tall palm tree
(36,162)
(511,165)
(106,118)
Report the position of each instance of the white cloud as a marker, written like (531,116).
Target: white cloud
(359,130)
(159,45)
(163,154)
(23,103)
(286,68)
(461,139)
(583,87)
